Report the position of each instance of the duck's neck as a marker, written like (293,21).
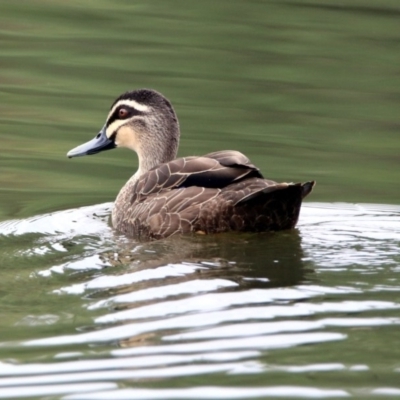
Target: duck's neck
(147,160)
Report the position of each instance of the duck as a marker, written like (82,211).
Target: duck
(218,192)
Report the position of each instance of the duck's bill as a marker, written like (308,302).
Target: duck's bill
(100,143)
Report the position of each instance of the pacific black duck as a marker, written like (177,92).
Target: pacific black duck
(218,192)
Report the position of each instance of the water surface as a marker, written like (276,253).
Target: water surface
(303,313)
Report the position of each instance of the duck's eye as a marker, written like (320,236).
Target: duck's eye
(123,113)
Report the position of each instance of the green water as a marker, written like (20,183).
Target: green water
(308,90)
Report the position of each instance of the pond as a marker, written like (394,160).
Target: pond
(308,90)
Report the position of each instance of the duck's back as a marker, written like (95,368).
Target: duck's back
(218,192)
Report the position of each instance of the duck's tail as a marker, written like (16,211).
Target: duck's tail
(307,188)
(274,208)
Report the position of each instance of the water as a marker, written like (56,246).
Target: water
(305,313)
(308,90)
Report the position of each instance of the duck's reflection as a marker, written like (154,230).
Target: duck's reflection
(243,262)
(251,260)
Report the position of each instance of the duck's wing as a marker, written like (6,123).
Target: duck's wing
(232,158)
(213,171)
(218,192)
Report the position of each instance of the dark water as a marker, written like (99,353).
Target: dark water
(308,90)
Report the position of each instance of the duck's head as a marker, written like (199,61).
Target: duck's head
(142,120)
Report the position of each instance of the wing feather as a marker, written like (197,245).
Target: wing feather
(215,170)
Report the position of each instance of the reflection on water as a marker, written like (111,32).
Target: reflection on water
(150,320)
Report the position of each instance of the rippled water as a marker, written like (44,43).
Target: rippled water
(312,312)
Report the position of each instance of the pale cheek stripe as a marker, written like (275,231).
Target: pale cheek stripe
(130,103)
(114,127)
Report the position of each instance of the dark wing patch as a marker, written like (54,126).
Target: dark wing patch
(215,170)
(217,178)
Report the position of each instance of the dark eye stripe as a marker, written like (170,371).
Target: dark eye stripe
(131,112)
(113,136)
